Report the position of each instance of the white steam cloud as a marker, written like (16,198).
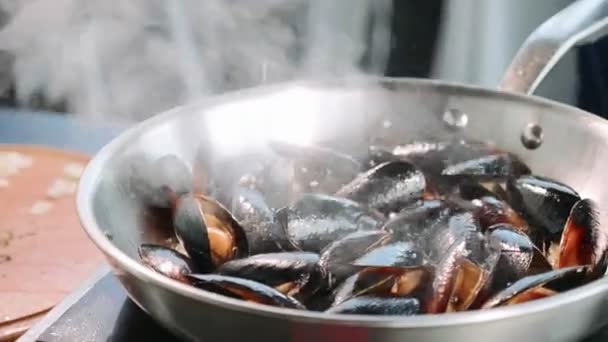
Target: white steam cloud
(132,59)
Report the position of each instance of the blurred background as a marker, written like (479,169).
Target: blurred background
(128,60)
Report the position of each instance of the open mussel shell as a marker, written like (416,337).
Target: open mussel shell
(316,220)
(544,203)
(387,187)
(583,241)
(530,295)
(373,305)
(463,272)
(288,272)
(336,259)
(159,182)
(489,208)
(264,233)
(561,279)
(383,281)
(208,232)
(166,261)
(244,289)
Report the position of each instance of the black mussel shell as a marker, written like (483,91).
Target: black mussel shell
(208,232)
(316,167)
(434,157)
(159,182)
(371,305)
(388,187)
(316,220)
(583,240)
(396,254)
(533,281)
(337,257)
(516,254)
(443,236)
(501,165)
(544,203)
(264,232)
(462,273)
(288,272)
(383,281)
(166,261)
(244,289)
(490,209)
(416,221)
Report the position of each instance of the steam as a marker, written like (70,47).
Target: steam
(132,59)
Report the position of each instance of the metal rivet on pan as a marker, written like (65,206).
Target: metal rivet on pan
(455,118)
(532,136)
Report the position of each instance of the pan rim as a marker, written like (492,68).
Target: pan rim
(91,178)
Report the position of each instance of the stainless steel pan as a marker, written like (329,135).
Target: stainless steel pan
(348,114)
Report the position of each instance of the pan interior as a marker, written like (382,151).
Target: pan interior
(347,116)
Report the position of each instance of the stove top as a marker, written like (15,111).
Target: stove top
(101,311)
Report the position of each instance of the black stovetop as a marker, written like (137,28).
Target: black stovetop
(101,311)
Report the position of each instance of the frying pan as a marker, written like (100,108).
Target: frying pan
(556,140)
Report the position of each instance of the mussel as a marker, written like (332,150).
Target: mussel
(531,294)
(489,208)
(264,233)
(434,157)
(384,281)
(208,232)
(501,165)
(583,240)
(396,254)
(534,281)
(288,272)
(244,289)
(166,261)
(443,236)
(462,273)
(387,187)
(416,221)
(336,259)
(517,253)
(544,203)
(372,305)
(316,220)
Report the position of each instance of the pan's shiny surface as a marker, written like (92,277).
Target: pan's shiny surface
(347,115)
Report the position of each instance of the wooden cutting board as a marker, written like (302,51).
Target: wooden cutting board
(44,253)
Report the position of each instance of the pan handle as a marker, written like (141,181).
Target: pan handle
(581,22)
